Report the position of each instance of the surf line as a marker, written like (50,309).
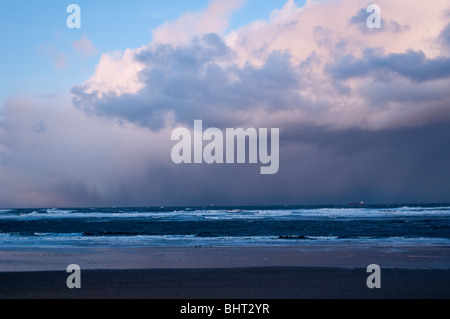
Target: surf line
(213,152)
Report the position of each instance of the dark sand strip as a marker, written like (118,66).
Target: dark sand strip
(234,283)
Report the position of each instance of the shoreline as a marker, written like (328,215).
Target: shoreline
(305,272)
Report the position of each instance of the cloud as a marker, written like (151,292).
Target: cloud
(40,127)
(116,73)
(413,65)
(53,155)
(84,161)
(360,20)
(191,82)
(59,59)
(214,19)
(395,165)
(85,47)
(444,37)
(259,70)
(362,115)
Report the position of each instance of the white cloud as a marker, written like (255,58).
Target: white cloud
(117,73)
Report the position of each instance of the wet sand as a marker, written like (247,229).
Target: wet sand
(230,273)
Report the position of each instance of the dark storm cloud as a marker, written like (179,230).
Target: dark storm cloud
(445,36)
(191,82)
(317,166)
(407,165)
(382,92)
(412,65)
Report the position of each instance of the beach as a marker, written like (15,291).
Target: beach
(304,272)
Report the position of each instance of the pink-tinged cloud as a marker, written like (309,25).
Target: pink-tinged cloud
(58,58)
(214,19)
(85,47)
(312,65)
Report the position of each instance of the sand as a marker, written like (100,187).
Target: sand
(234,283)
(312,272)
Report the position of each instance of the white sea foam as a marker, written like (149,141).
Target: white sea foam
(44,240)
(238,214)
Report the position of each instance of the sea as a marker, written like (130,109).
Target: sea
(225,226)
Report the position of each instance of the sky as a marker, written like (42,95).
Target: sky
(86,115)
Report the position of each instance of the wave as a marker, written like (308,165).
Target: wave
(224,214)
(74,240)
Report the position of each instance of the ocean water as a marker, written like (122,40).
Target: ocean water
(225,226)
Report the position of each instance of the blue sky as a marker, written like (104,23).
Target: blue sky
(32,32)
